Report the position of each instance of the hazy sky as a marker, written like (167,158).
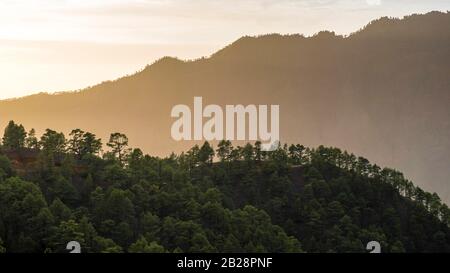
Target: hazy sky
(58,45)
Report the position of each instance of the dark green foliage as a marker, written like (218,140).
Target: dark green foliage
(119,146)
(52,143)
(142,246)
(82,144)
(5,167)
(14,137)
(293,199)
(31,140)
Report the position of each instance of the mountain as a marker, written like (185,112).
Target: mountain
(382,92)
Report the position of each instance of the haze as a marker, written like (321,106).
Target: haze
(54,45)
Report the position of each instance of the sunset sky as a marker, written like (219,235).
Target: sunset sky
(59,45)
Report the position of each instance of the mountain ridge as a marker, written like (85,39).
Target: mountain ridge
(325,33)
(381,92)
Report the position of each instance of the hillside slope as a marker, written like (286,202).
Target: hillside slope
(293,199)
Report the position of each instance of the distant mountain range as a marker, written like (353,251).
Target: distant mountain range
(382,92)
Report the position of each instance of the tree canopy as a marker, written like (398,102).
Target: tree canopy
(228,199)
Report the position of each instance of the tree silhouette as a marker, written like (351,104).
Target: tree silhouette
(119,146)
(14,137)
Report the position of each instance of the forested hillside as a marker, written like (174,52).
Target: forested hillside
(232,199)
